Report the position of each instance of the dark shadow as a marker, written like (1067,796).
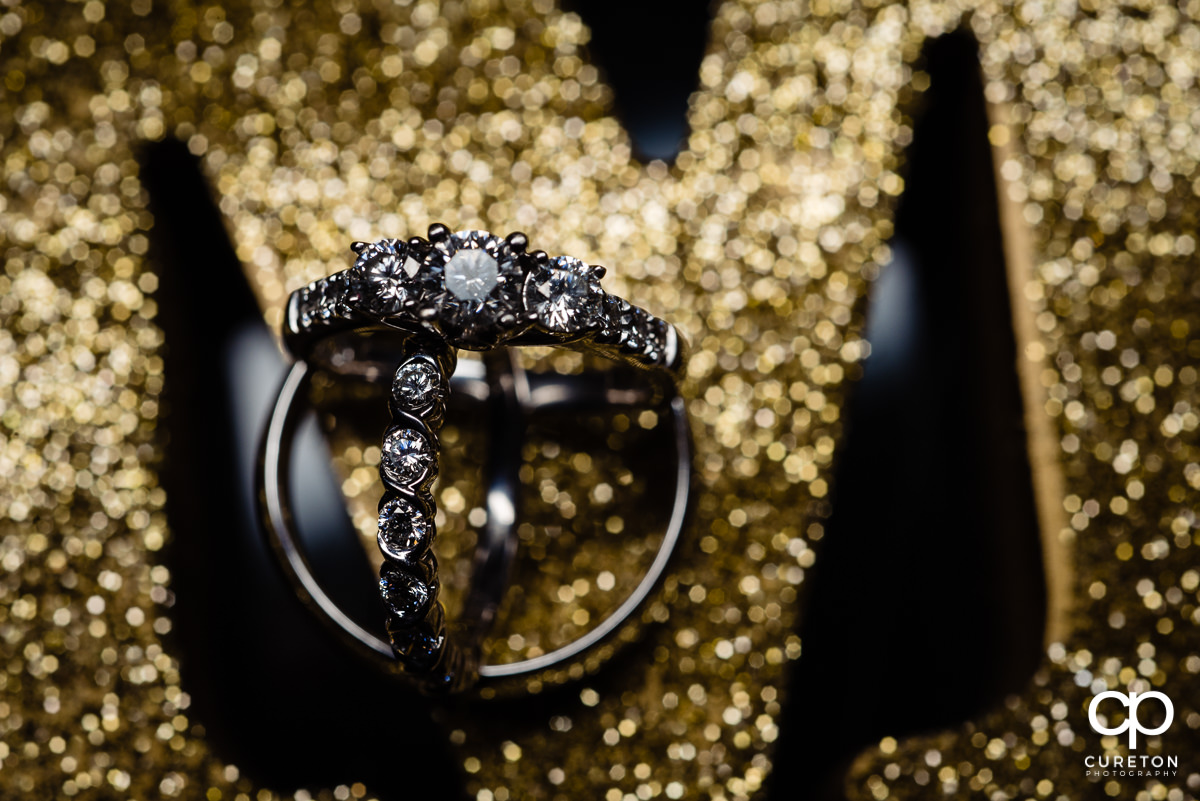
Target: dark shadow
(274,693)
(928,600)
(650,54)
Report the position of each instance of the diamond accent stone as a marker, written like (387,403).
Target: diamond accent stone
(656,338)
(383,283)
(404,530)
(306,305)
(406,596)
(407,457)
(624,325)
(324,301)
(472,274)
(416,385)
(564,294)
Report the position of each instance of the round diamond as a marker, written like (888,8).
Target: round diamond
(403,529)
(383,277)
(472,274)
(563,295)
(407,457)
(418,647)
(626,324)
(406,596)
(471,286)
(416,384)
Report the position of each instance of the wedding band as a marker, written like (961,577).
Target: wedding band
(415,302)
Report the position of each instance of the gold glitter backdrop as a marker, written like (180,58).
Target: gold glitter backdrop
(323,124)
(1094,110)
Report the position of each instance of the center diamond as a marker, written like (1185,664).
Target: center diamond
(472,274)
(472,289)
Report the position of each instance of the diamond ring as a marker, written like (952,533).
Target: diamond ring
(398,315)
(475,290)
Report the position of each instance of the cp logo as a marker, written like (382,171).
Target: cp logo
(1131,721)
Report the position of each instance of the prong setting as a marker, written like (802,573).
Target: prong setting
(517,241)
(476,290)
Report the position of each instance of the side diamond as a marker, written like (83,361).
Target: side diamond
(624,325)
(564,294)
(328,297)
(382,284)
(656,338)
